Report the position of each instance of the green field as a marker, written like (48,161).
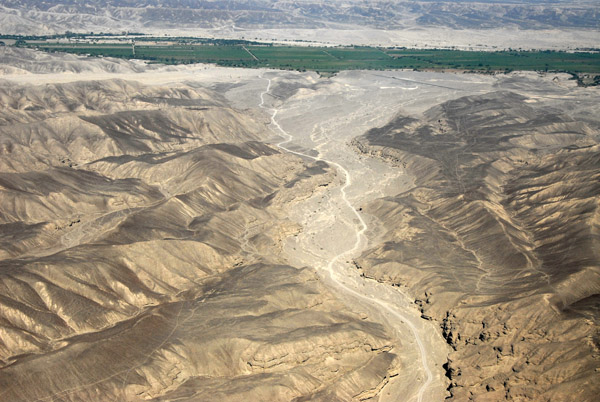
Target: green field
(334,59)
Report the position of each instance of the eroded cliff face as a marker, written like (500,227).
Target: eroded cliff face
(140,230)
(498,242)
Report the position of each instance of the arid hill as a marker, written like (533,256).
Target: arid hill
(498,241)
(156,243)
(140,229)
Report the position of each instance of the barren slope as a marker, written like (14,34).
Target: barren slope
(498,241)
(140,230)
(156,244)
(53,16)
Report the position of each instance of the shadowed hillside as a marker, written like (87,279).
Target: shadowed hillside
(498,241)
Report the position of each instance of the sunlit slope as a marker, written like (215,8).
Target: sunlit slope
(140,230)
(498,241)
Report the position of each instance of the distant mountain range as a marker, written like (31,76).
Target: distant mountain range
(41,17)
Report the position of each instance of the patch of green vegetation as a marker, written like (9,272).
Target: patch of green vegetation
(193,53)
(326,59)
(511,60)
